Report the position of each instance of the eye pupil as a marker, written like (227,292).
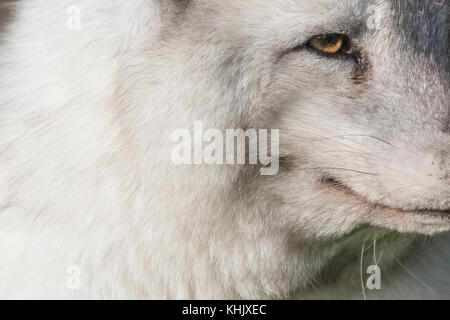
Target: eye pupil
(329,43)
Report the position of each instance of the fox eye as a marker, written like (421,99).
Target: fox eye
(329,43)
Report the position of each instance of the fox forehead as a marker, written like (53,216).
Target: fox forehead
(424,24)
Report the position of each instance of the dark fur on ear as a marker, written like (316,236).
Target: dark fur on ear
(176,7)
(7,11)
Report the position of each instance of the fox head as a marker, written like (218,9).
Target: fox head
(358,89)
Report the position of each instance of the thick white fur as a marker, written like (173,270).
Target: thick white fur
(86,177)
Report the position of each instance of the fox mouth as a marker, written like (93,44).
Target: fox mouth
(337,185)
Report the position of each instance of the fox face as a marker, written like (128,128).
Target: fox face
(354,126)
(358,90)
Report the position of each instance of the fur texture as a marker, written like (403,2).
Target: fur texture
(86,177)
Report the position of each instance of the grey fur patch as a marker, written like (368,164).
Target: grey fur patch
(425,26)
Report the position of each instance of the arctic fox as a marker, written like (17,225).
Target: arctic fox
(92,205)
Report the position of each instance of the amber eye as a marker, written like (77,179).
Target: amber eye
(329,43)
